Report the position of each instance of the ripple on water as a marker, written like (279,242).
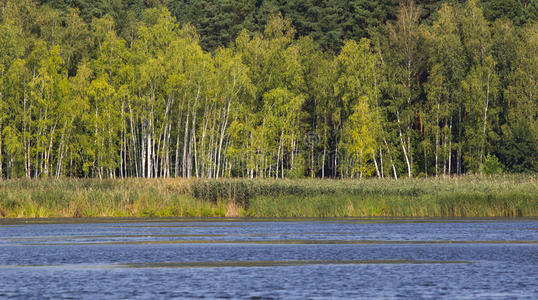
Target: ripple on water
(296,259)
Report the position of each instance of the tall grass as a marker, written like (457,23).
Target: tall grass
(467,196)
(503,195)
(106,198)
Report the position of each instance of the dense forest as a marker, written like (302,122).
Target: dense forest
(267,88)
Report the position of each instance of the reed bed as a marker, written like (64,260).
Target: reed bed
(102,198)
(467,196)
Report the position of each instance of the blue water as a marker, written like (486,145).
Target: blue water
(359,259)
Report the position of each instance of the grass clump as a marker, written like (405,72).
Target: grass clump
(106,198)
(467,196)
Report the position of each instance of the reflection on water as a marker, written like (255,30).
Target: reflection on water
(236,258)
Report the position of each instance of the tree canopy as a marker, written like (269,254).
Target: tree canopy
(225,88)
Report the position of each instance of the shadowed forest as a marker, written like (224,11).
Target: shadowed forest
(267,89)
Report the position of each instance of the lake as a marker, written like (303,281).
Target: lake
(266,259)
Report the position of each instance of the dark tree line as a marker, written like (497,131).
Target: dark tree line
(328,22)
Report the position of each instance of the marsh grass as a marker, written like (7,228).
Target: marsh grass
(467,196)
(105,198)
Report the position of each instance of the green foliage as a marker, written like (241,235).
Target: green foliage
(491,165)
(518,11)
(329,22)
(266,89)
(518,148)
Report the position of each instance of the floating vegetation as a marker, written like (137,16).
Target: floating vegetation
(242,264)
(284,263)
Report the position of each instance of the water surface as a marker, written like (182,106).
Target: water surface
(338,258)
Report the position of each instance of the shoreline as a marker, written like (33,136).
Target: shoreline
(457,197)
(157,220)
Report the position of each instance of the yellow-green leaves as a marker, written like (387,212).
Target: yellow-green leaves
(359,139)
(356,85)
(135,94)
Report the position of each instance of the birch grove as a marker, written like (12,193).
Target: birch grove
(144,99)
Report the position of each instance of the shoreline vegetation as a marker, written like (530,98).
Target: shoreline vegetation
(465,196)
